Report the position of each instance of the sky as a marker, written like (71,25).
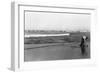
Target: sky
(57,21)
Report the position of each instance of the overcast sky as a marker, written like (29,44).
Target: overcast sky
(57,21)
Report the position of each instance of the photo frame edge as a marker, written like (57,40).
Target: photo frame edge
(14,29)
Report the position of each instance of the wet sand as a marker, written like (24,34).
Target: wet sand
(55,52)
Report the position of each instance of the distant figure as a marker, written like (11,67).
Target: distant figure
(83,45)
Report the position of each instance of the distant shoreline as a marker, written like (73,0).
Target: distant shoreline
(53,32)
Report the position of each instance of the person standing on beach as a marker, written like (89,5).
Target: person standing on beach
(83,45)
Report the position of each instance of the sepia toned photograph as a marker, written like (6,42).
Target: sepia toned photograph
(50,35)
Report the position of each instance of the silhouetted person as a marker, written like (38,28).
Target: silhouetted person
(83,45)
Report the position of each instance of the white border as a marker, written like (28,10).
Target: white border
(18,37)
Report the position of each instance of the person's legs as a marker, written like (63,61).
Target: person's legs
(83,50)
